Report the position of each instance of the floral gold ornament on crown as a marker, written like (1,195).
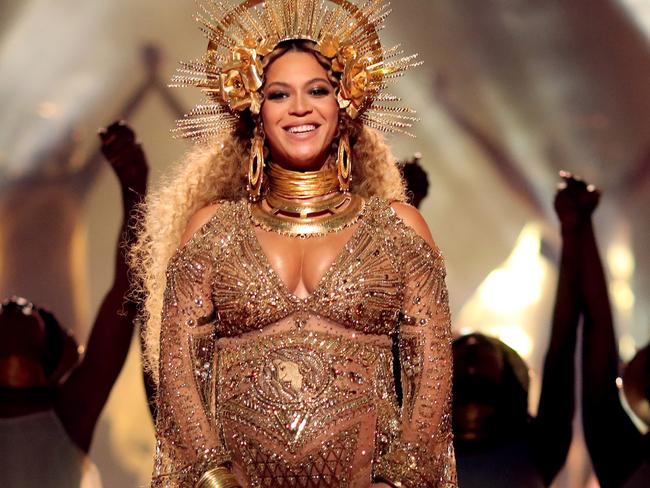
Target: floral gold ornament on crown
(241,34)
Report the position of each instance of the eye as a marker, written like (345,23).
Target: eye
(277,95)
(319,91)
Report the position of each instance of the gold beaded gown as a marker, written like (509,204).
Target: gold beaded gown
(299,392)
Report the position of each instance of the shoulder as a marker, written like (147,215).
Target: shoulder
(198,220)
(413,219)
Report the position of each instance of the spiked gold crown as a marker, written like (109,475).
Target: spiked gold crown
(241,34)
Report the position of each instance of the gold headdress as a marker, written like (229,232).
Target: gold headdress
(241,33)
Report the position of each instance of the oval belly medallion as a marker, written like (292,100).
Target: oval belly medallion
(292,376)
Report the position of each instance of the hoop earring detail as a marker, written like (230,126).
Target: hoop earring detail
(256,168)
(344,163)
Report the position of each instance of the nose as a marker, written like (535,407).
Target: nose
(300,106)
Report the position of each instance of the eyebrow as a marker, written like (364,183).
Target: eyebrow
(287,85)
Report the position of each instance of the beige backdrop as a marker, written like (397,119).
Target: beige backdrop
(510,92)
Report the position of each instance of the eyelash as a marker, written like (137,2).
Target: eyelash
(318,91)
(276,95)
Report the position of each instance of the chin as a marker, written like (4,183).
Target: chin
(304,161)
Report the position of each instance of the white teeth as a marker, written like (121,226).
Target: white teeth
(301,129)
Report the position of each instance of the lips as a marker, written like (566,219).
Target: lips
(301,129)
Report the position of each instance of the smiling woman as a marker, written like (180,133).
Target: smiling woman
(300,115)
(272,342)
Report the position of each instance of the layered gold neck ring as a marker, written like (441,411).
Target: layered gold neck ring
(285,183)
(305,203)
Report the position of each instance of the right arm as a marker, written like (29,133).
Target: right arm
(614,443)
(187,430)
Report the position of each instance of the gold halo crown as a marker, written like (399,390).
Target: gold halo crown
(231,72)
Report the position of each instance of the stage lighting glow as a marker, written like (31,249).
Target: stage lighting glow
(518,283)
(515,337)
(626,347)
(622,295)
(620,261)
(49,110)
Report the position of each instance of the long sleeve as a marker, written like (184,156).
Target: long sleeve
(423,454)
(188,432)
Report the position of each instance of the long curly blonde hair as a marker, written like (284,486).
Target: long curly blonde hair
(215,171)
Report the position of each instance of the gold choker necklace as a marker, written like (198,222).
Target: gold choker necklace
(285,183)
(304,204)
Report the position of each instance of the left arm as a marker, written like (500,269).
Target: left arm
(551,430)
(423,454)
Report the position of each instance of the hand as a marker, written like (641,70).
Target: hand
(575,200)
(119,146)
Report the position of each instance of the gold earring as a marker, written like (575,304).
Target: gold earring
(344,163)
(256,168)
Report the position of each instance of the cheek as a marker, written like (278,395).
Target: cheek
(333,111)
(274,110)
(270,125)
(332,115)
(268,115)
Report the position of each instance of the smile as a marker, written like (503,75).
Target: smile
(302,129)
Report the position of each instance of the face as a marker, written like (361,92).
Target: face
(22,345)
(477,377)
(300,112)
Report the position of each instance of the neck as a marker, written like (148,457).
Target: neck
(305,203)
(301,185)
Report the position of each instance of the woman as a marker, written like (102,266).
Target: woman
(273,355)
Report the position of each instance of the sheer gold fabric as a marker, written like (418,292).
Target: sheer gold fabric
(300,392)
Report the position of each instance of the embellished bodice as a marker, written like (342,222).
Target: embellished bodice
(301,392)
(251,295)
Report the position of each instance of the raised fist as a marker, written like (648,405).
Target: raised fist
(119,146)
(575,200)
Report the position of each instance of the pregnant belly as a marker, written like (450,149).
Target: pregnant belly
(303,409)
